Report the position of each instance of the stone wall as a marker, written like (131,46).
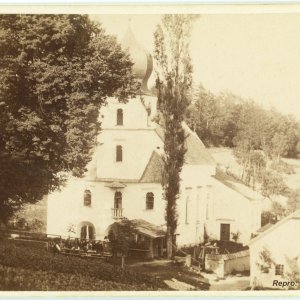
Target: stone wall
(225,264)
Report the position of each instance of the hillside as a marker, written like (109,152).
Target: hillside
(227,165)
(24,267)
(224,157)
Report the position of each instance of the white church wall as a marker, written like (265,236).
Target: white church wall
(191,205)
(134,203)
(137,147)
(66,207)
(227,206)
(212,205)
(134,114)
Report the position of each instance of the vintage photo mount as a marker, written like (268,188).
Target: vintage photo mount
(129,11)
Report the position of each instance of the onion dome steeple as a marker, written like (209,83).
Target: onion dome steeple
(142,59)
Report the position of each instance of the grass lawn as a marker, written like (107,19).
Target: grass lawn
(28,268)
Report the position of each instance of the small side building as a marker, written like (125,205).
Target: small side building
(275,253)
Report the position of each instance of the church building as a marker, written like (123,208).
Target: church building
(125,174)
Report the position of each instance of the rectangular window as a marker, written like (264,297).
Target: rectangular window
(87,199)
(119,153)
(279,269)
(120,116)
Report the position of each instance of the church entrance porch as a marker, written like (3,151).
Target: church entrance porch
(152,235)
(146,240)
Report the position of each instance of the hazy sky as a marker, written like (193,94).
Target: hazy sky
(252,55)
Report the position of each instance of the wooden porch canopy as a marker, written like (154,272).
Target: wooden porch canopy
(148,229)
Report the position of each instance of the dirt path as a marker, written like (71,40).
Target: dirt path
(175,274)
(230,283)
(179,277)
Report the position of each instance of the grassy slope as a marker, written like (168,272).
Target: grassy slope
(224,157)
(37,269)
(18,279)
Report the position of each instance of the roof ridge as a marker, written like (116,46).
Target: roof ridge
(276,225)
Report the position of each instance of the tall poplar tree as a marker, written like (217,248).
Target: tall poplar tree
(55,73)
(174,82)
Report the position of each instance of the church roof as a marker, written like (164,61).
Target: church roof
(153,170)
(197,153)
(236,185)
(143,227)
(143,63)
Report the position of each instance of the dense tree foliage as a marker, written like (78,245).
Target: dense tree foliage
(272,184)
(228,120)
(293,202)
(260,138)
(56,72)
(213,118)
(174,81)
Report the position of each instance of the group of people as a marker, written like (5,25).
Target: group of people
(81,245)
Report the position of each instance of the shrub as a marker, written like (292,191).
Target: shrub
(235,236)
(282,167)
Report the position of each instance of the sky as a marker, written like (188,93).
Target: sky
(254,56)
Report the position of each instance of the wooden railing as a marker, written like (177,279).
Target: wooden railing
(117,213)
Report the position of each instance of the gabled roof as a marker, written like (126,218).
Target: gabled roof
(236,185)
(265,227)
(153,170)
(148,229)
(197,153)
(294,215)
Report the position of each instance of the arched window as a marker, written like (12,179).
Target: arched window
(87,199)
(119,116)
(118,200)
(87,231)
(149,200)
(119,153)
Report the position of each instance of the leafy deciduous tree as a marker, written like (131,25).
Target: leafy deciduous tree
(272,184)
(56,72)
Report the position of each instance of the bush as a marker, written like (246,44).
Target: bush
(229,246)
(43,260)
(282,167)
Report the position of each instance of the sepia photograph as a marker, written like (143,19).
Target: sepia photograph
(150,149)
